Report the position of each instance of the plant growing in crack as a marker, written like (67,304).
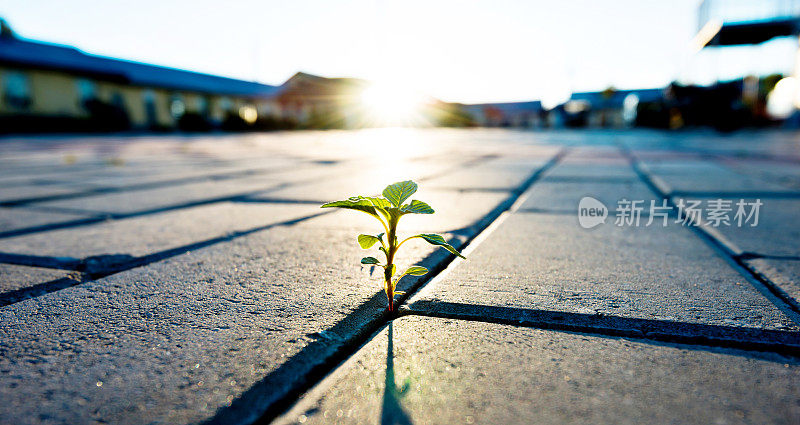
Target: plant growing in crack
(388,210)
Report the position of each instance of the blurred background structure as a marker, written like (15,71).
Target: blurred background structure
(55,88)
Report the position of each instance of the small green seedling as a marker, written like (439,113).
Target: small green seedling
(388,210)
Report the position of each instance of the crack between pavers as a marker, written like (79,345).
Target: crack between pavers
(100,217)
(243,406)
(47,262)
(700,335)
(590,179)
(141,186)
(735,194)
(756,256)
(776,295)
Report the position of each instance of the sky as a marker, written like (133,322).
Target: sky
(464,51)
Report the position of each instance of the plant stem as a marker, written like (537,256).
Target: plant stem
(390,295)
(392,239)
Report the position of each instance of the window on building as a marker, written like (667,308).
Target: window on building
(177,107)
(17,90)
(225,104)
(202,106)
(629,108)
(118,100)
(149,99)
(87,90)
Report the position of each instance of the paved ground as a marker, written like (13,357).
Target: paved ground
(193,279)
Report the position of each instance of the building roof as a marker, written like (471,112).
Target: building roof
(507,107)
(735,22)
(617,97)
(754,32)
(35,54)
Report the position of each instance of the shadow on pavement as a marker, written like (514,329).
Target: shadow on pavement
(392,412)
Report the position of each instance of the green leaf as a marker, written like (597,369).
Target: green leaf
(366,241)
(354,203)
(379,202)
(416,271)
(381,205)
(416,207)
(398,192)
(434,239)
(370,260)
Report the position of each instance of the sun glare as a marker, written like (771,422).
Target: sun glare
(389,104)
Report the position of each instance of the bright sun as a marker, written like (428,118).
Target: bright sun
(389,104)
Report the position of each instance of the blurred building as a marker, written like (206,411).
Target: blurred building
(611,108)
(509,114)
(47,87)
(320,102)
(724,23)
(50,87)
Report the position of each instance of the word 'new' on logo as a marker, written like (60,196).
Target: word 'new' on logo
(591,212)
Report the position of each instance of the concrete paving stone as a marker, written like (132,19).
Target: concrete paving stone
(25,179)
(595,138)
(128,176)
(497,174)
(178,341)
(776,234)
(366,181)
(770,169)
(455,211)
(783,273)
(430,371)
(309,173)
(58,169)
(133,201)
(39,167)
(11,193)
(746,144)
(593,170)
(715,182)
(75,174)
(349,145)
(654,155)
(146,168)
(682,166)
(565,196)
(135,176)
(14,218)
(281,170)
(548,262)
(14,277)
(153,233)
(595,153)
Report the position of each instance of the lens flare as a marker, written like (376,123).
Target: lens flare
(388,104)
